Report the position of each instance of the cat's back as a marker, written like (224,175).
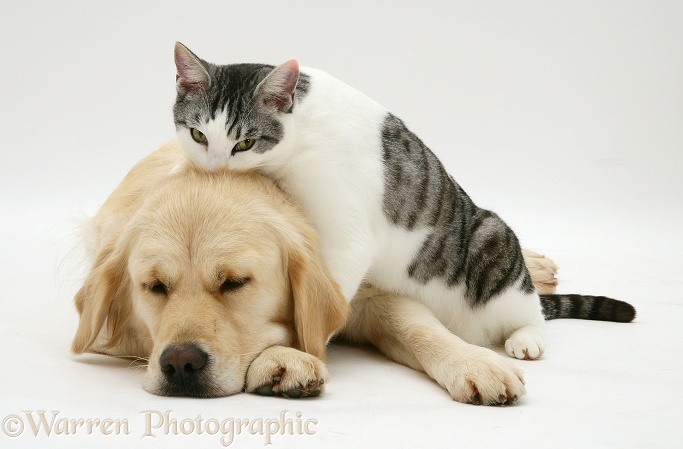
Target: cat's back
(325,90)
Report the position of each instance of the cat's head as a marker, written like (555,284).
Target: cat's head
(234,116)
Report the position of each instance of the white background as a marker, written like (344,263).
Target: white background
(564,117)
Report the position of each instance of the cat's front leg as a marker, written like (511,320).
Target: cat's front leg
(517,319)
(348,261)
(407,332)
(526,343)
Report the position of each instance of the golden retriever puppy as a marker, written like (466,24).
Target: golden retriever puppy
(217,280)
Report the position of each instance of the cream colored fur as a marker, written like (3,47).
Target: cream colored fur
(191,230)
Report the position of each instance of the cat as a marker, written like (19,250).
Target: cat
(387,212)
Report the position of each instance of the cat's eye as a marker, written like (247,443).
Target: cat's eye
(243,145)
(198,136)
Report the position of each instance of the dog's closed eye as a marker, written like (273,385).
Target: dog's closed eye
(230,285)
(158,288)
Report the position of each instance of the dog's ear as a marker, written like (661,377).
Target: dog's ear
(103,302)
(319,306)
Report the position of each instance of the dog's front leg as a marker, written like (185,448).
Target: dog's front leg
(286,372)
(409,333)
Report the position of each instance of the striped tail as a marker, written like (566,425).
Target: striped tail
(586,307)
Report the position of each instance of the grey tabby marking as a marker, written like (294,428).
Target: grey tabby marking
(232,89)
(587,307)
(465,244)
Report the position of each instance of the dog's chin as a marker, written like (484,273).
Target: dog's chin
(203,387)
(194,391)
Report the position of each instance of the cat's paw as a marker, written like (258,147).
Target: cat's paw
(482,377)
(543,271)
(286,372)
(526,343)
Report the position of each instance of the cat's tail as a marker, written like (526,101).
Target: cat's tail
(587,307)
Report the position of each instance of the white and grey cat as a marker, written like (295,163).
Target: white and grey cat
(386,210)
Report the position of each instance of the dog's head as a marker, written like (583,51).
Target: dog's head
(206,273)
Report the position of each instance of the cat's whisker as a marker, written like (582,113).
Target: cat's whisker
(289,165)
(450,324)
(269,165)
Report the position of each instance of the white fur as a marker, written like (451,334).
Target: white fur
(331,161)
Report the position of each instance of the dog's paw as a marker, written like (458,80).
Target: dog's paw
(543,271)
(482,377)
(286,372)
(526,343)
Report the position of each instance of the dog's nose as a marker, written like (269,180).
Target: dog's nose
(182,364)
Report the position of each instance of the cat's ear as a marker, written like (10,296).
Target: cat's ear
(276,91)
(190,72)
